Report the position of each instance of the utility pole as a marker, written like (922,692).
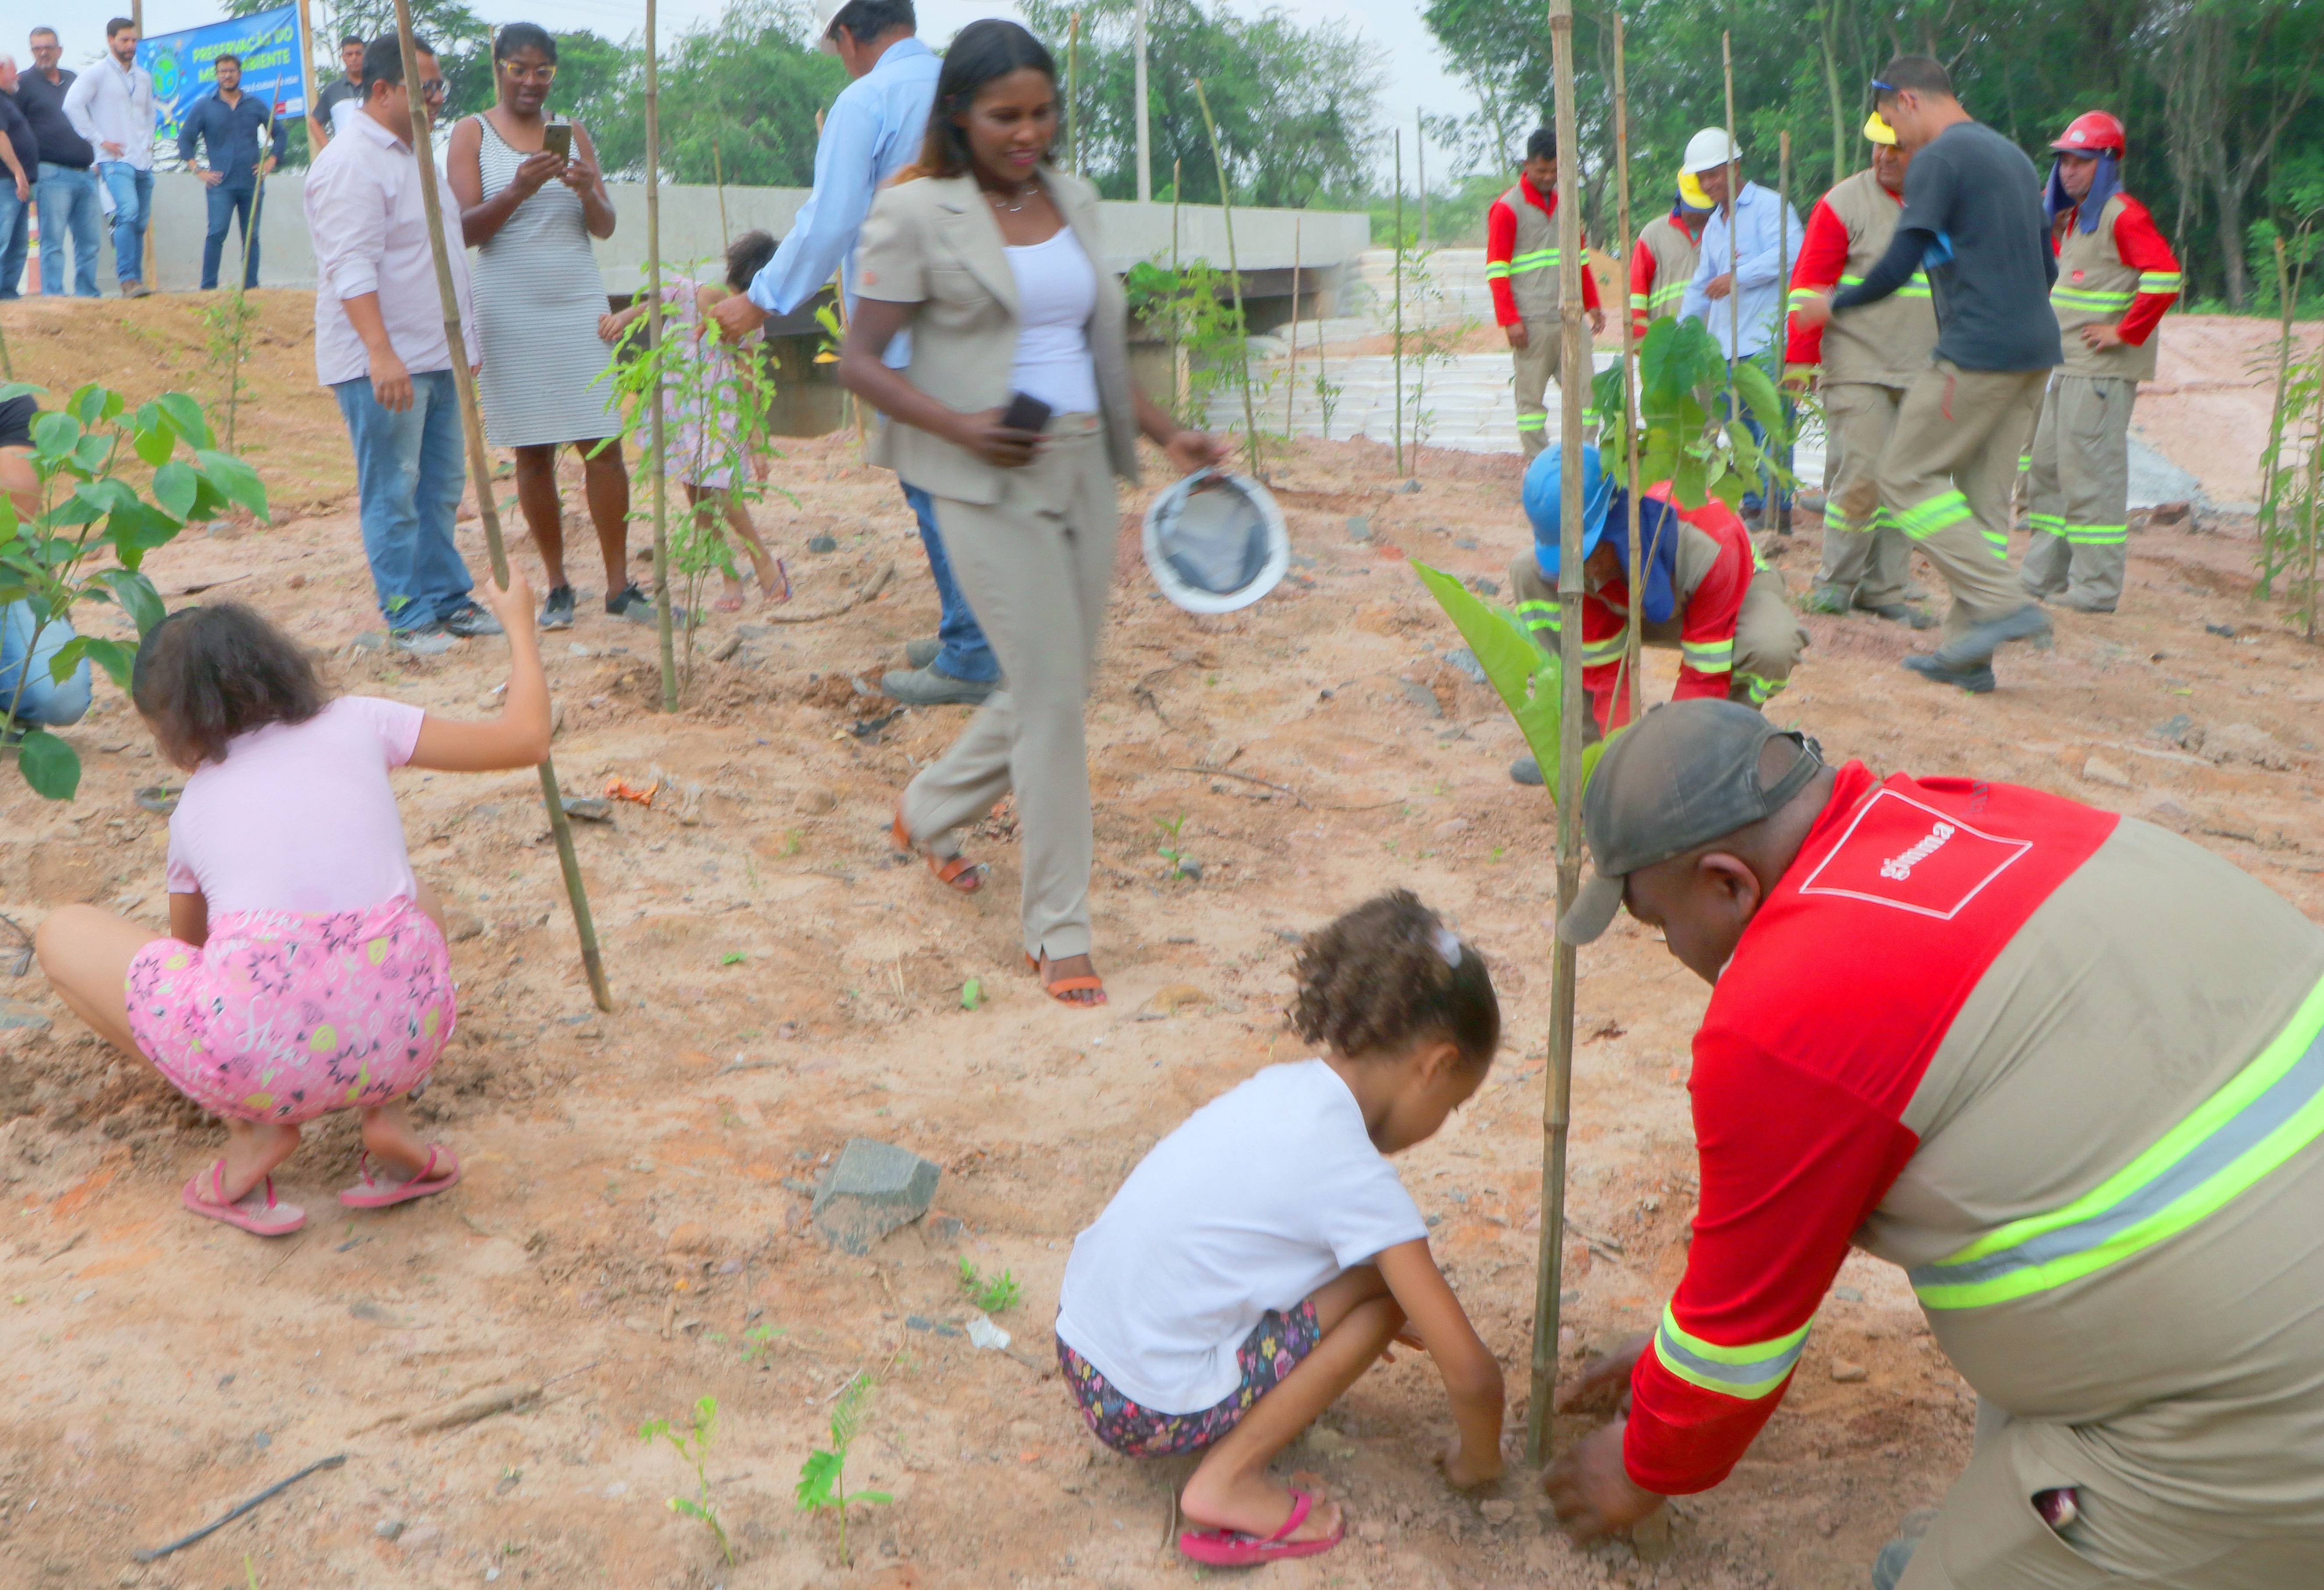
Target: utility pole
(1145,150)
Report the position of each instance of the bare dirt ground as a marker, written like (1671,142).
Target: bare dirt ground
(634,1207)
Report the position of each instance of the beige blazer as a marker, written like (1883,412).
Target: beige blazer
(935,243)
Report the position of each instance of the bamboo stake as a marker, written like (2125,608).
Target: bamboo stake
(233,368)
(1291,385)
(1234,277)
(1397,359)
(480,465)
(718,175)
(2315,486)
(1182,380)
(1420,167)
(1734,218)
(317,135)
(1145,135)
(1769,513)
(1558,1080)
(1073,90)
(1633,636)
(653,332)
(2271,461)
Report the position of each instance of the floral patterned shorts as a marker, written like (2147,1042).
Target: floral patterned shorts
(1277,1342)
(283,1018)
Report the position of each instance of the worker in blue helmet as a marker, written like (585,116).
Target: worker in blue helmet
(1702,591)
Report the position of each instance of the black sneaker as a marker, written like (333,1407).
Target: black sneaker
(428,640)
(636,606)
(557,612)
(1977,678)
(470,619)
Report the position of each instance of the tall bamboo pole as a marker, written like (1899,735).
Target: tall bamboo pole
(1182,379)
(1074,91)
(1291,384)
(1396,361)
(1634,639)
(317,135)
(1734,220)
(1234,276)
(653,336)
(1769,512)
(718,175)
(1145,136)
(480,467)
(1557,1093)
(2270,461)
(1420,167)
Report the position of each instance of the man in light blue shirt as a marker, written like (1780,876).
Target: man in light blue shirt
(1737,292)
(874,128)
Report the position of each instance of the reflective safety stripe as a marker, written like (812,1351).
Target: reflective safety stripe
(1801,295)
(1915,287)
(1835,518)
(2074,297)
(1940,512)
(1666,299)
(1540,258)
(1495,269)
(2159,281)
(1538,615)
(2268,1112)
(1997,542)
(1638,300)
(1707,656)
(1761,691)
(1752,1371)
(2094,535)
(1595,652)
(1535,420)
(2051,522)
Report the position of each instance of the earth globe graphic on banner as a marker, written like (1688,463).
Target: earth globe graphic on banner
(166,74)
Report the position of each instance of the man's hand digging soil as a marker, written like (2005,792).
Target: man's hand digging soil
(1590,1487)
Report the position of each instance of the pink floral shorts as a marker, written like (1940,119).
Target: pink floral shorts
(284,1018)
(1274,1347)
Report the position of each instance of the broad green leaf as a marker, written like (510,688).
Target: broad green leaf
(1523,675)
(817,1477)
(111,655)
(49,764)
(174,486)
(19,389)
(186,414)
(235,479)
(153,442)
(91,452)
(1656,379)
(54,438)
(66,658)
(1760,396)
(88,404)
(137,597)
(138,528)
(1689,486)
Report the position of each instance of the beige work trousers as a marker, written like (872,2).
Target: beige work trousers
(1036,567)
(2079,498)
(1537,367)
(1945,479)
(1866,556)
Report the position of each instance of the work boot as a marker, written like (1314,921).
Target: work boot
(1524,770)
(1977,678)
(1899,613)
(921,653)
(1978,643)
(2083,604)
(931,687)
(1827,599)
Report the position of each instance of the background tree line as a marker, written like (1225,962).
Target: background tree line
(2212,91)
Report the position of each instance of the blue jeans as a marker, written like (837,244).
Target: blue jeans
(225,203)
(408,475)
(132,202)
(15,237)
(44,701)
(966,653)
(66,196)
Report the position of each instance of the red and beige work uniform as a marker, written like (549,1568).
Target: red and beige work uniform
(1863,360)
(1736,635)
(1521,271)
(2066,1069)
(2124,275)
(1661,266)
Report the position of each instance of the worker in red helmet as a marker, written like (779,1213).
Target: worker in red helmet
(2115,276)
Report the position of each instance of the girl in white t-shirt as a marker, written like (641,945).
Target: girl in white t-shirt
(305,968)
(1258,1260)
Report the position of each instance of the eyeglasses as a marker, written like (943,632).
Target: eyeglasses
(431,87)
(544,74)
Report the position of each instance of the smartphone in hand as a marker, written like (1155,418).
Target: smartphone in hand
(557,139)
(1026,412)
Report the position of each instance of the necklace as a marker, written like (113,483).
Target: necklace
(1023,194)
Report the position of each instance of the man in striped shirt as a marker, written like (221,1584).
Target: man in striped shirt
(1521,271)
(2065,1069)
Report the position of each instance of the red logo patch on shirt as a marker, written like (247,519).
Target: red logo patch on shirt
(1899,852)
(2076,277)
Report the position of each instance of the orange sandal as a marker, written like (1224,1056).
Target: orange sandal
(1064,986)
(959,871)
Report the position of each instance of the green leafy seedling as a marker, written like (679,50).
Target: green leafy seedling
(731,958)
(758,1341)
(972,994)
(1169,850)
(999,1293)
(823,1480)
(1527,678)
(694,1447)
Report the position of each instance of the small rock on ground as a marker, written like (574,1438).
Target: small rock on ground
(873,1187)
(1847,1373)
(2099,770)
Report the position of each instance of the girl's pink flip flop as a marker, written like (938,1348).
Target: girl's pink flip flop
(372,1192)
(255,1211)
(1231,1549)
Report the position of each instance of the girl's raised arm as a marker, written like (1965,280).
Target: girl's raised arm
(518,737)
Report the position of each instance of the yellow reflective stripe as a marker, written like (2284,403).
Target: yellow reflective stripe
(1751,1372)
(2054,524)
(1594,652)
(1535,420)
(1665,297)
(1638,300)
(1761,691)
(2159,281)
(1495,269)
(1709,656)
(2095,534)
(2266,1113)
(2074,297)
(1940,512)
(1538,615)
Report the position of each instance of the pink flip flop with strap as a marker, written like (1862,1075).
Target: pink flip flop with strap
(255,1211)
(1231,1549)
(371,1192)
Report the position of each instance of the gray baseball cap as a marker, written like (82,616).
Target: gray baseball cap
(1685,774)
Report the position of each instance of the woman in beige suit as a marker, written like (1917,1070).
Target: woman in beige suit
(991,259)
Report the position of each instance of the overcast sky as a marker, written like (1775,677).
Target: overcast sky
(1417,75)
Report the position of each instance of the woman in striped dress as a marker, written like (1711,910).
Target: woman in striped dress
(530,214)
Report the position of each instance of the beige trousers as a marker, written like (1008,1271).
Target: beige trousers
(2078,495)
(1866,556)
(1036,567)
(1945,479)
(1537,366)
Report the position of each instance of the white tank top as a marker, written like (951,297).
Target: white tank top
(1057,289)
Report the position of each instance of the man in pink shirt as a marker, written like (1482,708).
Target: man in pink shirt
(380,347)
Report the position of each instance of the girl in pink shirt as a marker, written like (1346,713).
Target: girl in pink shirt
(305,968)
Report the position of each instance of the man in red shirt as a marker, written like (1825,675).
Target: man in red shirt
(1521,269)
(2064,1069)
(1663,259)
(2115,276)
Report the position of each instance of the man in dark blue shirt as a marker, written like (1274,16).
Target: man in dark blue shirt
(236,126)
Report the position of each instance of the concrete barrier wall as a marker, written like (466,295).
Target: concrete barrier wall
(1265,240)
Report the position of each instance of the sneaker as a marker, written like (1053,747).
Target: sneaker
(1977,645)
(1826,599)
(636,606)
(921,653)
(428,640)
(2084,604)
(136,290)
(1899,613)
(1977,678)
(470,619)
(557,612)
(929,687)
(1527,771)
